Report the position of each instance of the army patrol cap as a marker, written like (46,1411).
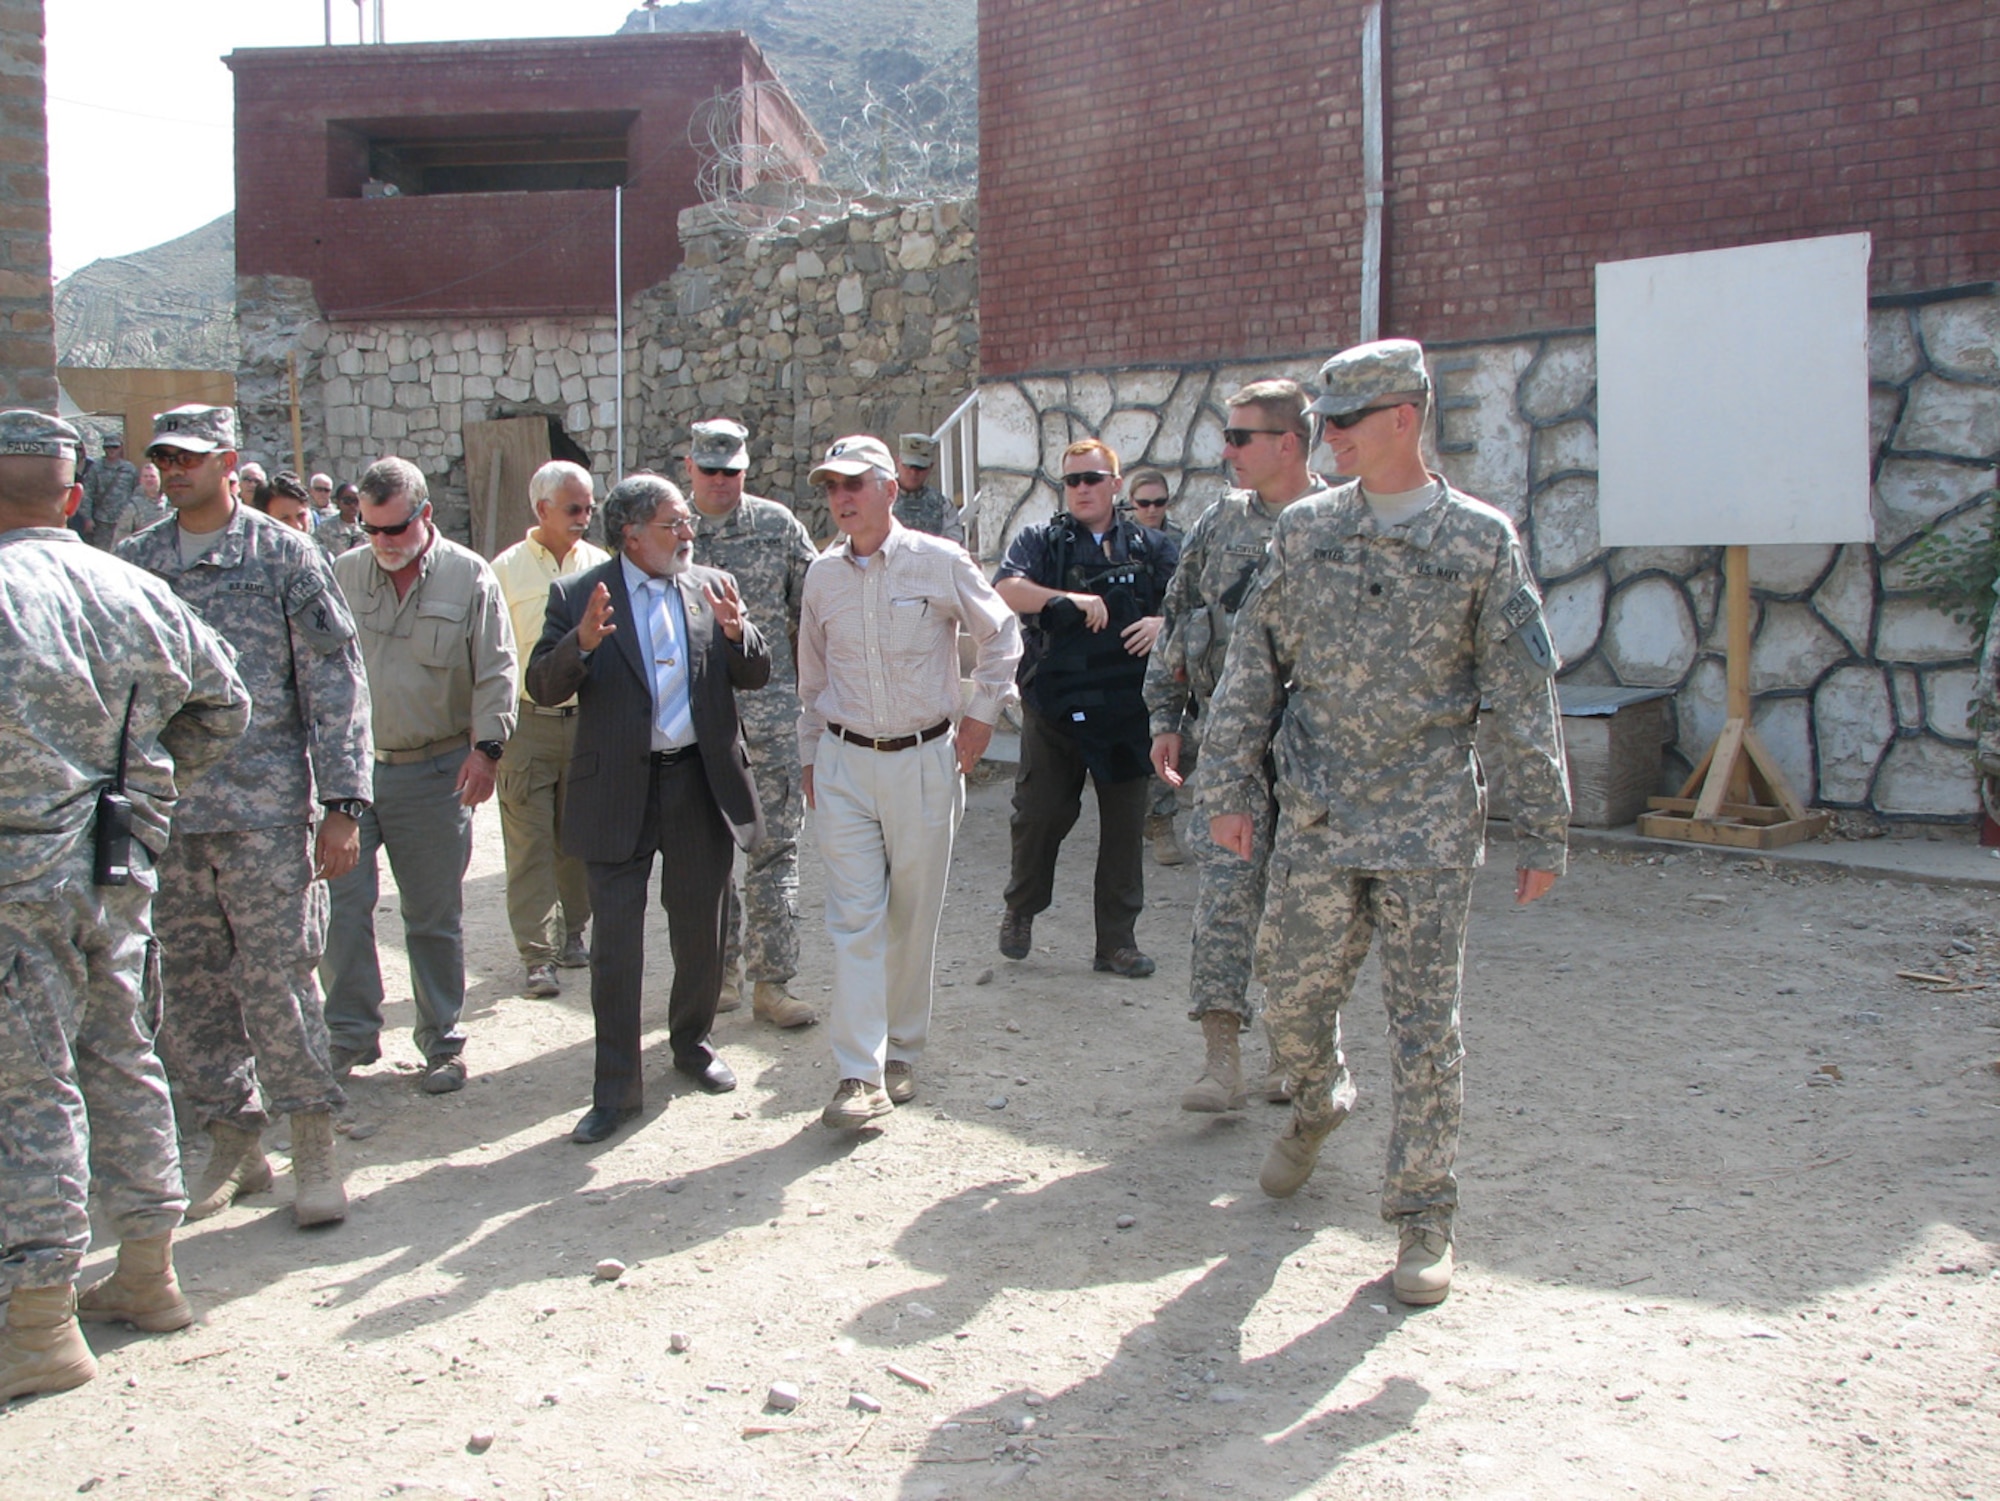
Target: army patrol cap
(918,451)
(198,429)
(719,445)
(855,455)
(1361,376)
(113,440)
(37,434)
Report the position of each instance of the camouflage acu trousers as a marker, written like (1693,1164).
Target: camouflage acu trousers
(762,927)
(548,894)
(242,923)
(1228,903)
(82,1093)
(1319,920)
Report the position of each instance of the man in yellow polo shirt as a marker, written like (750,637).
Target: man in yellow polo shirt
(548,899)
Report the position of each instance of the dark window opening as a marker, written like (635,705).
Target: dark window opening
(426,157)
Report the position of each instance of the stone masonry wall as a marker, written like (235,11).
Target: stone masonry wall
(1863,685)
(868,323)
(863,324)
(409,387)
(27,313)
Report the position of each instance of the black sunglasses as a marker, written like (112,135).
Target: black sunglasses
(388,531)
(1239,437)
(714,473)
(1353,419)
(1087,477)
(1150,502)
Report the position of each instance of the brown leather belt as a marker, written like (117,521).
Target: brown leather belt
(892,743)
(421,753)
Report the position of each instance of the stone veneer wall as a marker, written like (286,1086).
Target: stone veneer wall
(867,323)
(864,324)
(1863,685)
(408,387)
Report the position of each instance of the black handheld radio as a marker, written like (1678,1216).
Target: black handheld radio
(114,815)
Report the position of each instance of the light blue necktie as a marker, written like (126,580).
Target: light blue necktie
(673,720)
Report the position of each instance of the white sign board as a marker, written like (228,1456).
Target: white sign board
(1732,396)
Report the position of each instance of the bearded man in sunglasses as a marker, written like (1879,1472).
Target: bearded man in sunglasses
(440,653)
(1088,587)
(1391,615)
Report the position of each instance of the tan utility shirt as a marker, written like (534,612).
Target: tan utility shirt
(441,659)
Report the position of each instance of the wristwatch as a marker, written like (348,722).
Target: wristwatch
(353,807)
(492,750)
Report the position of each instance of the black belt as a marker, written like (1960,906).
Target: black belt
(673,757)
(894,743)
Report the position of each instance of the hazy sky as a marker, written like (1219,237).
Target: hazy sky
(140,104)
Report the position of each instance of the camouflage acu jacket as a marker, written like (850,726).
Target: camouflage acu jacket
(79,630)
(768,550)
(1360,662)
(270,593)
(1220,557)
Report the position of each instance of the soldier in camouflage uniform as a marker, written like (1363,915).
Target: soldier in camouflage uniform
(242,907)
(107,491)
(1387,612)
(1147,495)
(918,505)
(1266,442)
(766,548)
(342,530)
(82,1093)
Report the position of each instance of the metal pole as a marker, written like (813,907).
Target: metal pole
(1372,194)
(618,313)
(329,22)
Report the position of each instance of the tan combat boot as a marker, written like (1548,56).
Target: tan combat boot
(42,1349)
(1423,1264)
(1167,848)
(236,1167)
(772,1002)
(1220,1086)
(142,1292)
(320,1198)
(731,995)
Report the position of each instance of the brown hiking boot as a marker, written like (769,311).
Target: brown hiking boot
(1167,848)
(1017,934)
(1220,1086)
(43,1349)
(771,1002)
(319,1197)
(542,982)
(236,1167)
(142,1292)
(1127,961)
(899,1081)
(730,997)
(1423,1264)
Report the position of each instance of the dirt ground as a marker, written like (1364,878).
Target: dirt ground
(1731,1226)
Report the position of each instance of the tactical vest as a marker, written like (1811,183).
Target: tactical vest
(1083,679)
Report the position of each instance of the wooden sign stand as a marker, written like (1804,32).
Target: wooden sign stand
(1737,795)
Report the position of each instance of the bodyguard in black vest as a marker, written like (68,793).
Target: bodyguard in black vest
(1088,586)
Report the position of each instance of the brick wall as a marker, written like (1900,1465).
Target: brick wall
(27,316)
(1168,183)
(524,253)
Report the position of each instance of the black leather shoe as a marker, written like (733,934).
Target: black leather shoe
(707,1070)
(601,1121)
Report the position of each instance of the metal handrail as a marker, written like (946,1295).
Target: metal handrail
(957,438)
